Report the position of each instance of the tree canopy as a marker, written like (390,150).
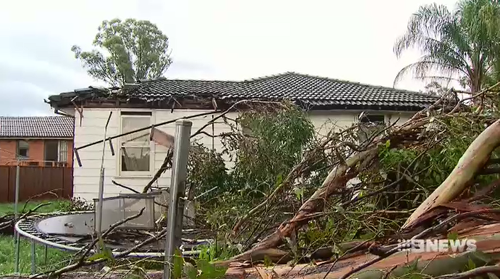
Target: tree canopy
(135,50)
(462,45)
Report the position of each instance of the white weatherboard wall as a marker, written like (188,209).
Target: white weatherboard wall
(91,129)
(325,121)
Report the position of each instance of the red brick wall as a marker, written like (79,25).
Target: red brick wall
(8,150)
(36,150)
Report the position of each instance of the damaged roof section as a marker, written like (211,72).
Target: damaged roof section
(310,91)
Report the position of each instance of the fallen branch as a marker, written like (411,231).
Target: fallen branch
(480,271)
(292,175)
(485,191)
(453,218)
(344,254)
(88,263)
(10,223)
(484,91)
(371,262)
(199,131)
(51,192)
(337,178)
(82,262)
(471,162)
(167,163)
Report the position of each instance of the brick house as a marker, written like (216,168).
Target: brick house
(37,141)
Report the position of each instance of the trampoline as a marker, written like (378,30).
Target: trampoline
(74,231)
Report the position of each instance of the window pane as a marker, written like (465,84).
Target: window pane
(23,144)
(379,119)
(135,158)
(51,150)
(63,151)
(22,150)
(133,123)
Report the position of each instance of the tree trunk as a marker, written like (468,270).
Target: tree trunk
(430,269)
(471,162)
(337,178)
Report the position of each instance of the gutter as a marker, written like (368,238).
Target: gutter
(56,111)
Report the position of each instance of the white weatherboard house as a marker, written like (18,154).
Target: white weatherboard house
(137,159)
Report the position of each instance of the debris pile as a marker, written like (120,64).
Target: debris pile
(434,177)
(391,164)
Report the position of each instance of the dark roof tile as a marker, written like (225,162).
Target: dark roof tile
(318,92)
(313,90)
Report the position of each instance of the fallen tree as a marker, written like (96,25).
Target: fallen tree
(469,166)
(411,177)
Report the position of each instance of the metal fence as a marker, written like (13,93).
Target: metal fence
(36,182)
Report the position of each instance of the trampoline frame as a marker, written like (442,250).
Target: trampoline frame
(43,239)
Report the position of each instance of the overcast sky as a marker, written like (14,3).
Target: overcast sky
(210,39)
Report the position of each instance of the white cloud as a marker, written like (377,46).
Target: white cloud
(217,39)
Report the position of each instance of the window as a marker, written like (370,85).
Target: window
(23,150)
(55,153)
(135,148)
(369,126)
(51,153)
(63,151)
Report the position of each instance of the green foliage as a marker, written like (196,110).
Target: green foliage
(272,144)
(206,170)
(55,258)
(429,165)
(178,263)
(76,204)
(137,50)
(452,236)
(277,137)
(217,252)
(203,269)
(463,43)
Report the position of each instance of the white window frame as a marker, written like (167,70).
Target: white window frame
(135,174)
(62,151)
(18,156)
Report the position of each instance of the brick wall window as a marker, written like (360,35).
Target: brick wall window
(23,149)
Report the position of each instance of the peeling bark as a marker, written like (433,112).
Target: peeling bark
(336,179)
(469,165)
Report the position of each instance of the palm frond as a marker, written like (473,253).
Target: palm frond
(425,65)
(428,21)
(466,41)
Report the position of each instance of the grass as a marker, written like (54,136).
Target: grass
(57,205)
(55,258)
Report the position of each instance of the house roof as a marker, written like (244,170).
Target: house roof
(312,91)
(36,127)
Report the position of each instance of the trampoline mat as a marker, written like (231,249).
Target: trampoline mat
(78,229)
(69,225)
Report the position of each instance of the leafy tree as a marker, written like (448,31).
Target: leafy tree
(465,42)
(136,50)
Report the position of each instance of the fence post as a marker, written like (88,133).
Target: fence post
(33,257)
(16,216)
(177,193)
